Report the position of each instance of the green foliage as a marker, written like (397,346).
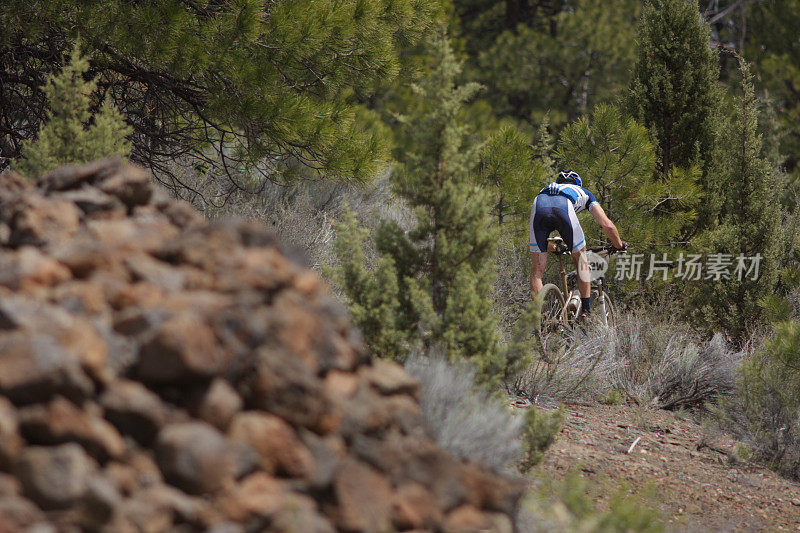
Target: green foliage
(64,138)
(747,224)
(443,265)
(615,158)
(275,83)
(768,400)
(372,294)
(673,91)
(580,58)
(613,397)
(568,504)
(510,172)
(772,45)
(626,513)
(544,147)
(541,430)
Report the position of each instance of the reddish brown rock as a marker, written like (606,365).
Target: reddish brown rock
(34,367)
(134,410)
(364,497)
(414,507)
(390,378)
(219,404)
(195,457)
(29,268)
(182,348)
(276,443)
(131,185)
(10,440)
(61,422)
(38,220)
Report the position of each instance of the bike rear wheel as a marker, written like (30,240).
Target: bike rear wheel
(552,304)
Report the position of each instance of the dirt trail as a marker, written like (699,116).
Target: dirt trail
(699,486)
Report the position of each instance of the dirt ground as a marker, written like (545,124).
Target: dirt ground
(700,483)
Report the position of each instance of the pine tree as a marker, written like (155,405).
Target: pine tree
(748,216)
(578,56)
(772,44)
(64,138)
(510,172)
(544,147)
(273,86)
(673,92)
(443,265)
(373,299)
(616,160)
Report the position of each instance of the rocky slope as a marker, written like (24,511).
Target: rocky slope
(162,373)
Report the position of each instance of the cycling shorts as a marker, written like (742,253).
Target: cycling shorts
(555,213)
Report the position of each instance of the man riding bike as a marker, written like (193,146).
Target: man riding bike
(556,208)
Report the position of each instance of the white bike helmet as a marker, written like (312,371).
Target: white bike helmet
(569,176)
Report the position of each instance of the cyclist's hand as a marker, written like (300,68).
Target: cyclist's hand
(624,247)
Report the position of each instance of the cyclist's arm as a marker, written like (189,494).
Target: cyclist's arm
(608,227)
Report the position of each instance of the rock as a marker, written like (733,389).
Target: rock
(91,200)
(134,410)
(262,496)
(327,452)
(38,220)
(390,378)
(466,519)
(17,513)
(364,497)
(286,387)
(195,457)
(76,337)
(137,471)
(29,268)
(100,501)
(414,507)
(131,185)
(55,477)
(146,268)
(10,440)
(9,486)
(61,422)
(74,176)
(219,404)
(35,366)
(182,348)
(275,442)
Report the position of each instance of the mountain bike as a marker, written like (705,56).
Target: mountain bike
(560,314)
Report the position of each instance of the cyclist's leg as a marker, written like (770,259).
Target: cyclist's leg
(584,274)
(538,264)
(540,228)
(572,233)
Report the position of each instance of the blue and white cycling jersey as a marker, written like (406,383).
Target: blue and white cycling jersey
(579,196)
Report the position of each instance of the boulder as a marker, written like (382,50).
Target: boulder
(60,421)
(55,477)
(195,457)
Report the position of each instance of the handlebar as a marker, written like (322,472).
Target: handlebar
(561,248)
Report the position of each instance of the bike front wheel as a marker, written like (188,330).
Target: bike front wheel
(607,312)
(552,304)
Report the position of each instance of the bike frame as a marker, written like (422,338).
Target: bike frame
(572,296)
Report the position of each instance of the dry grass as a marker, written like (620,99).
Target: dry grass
(466,421)
(650,361)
